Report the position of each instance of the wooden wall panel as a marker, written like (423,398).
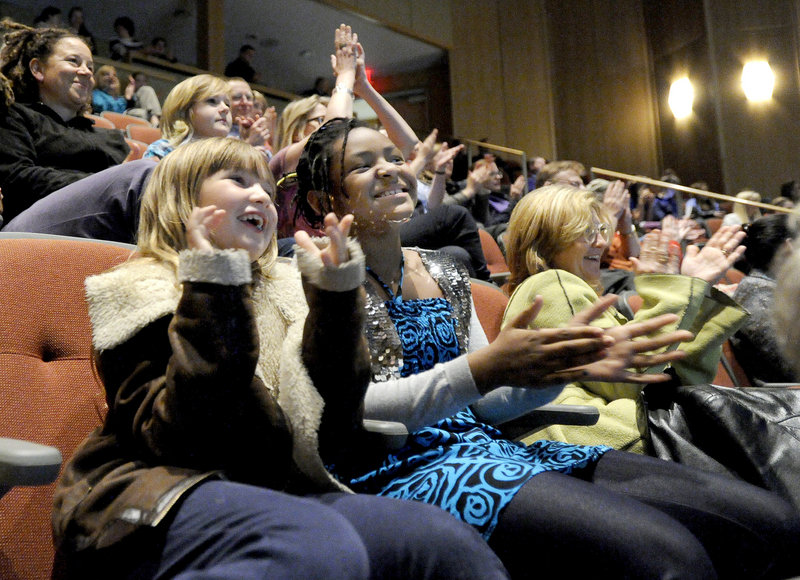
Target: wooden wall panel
(526,78)
(476,72)
(602,84)
(760,142)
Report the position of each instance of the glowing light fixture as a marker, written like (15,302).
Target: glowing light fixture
(681,98)
(758,80)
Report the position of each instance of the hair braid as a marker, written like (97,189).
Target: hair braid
(314,168)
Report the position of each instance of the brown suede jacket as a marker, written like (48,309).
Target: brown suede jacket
(208,375)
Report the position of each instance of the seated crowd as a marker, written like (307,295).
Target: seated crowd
(612,287)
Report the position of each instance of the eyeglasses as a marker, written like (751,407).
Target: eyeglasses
(590,234)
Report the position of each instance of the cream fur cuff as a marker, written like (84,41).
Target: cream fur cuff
(226,267)
(345,276)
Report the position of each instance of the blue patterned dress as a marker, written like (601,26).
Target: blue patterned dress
(460,464)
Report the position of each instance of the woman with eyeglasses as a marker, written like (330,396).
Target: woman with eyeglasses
(554,243)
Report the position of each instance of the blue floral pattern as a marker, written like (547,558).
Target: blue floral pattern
(460,464)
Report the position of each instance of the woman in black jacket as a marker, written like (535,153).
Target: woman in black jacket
(46,142)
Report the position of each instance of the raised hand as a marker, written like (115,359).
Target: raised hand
(717,256)
(616,200)
(445,156)
(517,189)
(258,133)
(336,252)
(658,255)
(423,153)
(200,227)
(345,60)
(525,357)
(626,353)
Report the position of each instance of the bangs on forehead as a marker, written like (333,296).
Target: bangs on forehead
(215,87)
(241,156)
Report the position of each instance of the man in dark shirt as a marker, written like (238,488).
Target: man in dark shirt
(241,67)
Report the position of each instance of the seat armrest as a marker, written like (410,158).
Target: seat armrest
(27,463)
(764,385)
(553,414)
(394,434)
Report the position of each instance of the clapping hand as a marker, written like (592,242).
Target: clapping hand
(717,256)
(336,252)
(659,255)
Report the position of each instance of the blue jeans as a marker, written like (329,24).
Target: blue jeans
(230,530)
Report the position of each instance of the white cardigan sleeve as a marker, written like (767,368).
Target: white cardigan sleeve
(425,398)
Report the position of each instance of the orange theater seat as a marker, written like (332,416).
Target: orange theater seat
(48,392)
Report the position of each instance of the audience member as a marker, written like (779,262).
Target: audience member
(780,201)
(434,226)
(791,189)
(787,305)
(49,17)
(627,515)
(261,364)
(743,214)
(77,25)
(248,125)
(322,87)
(102,206)
(260,103)
(299,119)
(754,344)
(241,66)
(145,100)
(196,108)
(553,247)
(699,206)
(668,201)
(124,40)
(46,142)
(563,171)
(107,95)
(535,164)
(159,49)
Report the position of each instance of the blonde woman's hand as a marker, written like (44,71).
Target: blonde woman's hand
(717,256)
(627,354)
(200,227)
(532,358)
(336,252)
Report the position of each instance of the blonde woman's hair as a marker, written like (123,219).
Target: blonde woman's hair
(293,119)
(171,195)
(177,125)
(544,222)
(741,210)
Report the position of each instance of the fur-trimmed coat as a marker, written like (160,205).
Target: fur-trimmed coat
(209,375)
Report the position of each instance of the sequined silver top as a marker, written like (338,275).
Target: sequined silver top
(384,343)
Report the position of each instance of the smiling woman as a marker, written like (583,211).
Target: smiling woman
(553,246)
(45,141)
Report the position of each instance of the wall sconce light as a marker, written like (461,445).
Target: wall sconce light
(758,80)
(681,98)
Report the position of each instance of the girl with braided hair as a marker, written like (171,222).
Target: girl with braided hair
(46,142)
(548,508)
